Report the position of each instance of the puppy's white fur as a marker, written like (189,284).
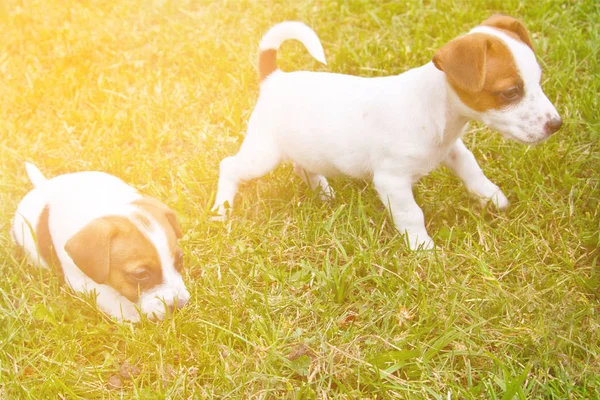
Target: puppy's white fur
(75,200)
(393,130)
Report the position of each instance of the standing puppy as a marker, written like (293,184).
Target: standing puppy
(394,129)
(105,237)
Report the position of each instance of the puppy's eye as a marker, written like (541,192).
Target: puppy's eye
(140,275)
(511,94)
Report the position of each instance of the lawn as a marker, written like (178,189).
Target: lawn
(295,297)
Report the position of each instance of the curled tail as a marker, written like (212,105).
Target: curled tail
(267,59)
(34,174)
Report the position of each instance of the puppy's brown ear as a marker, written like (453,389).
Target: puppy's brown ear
(463,60)
(510,24)
(159,211)
(90,248)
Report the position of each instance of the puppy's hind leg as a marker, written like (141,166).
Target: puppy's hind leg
(316,182)
(258,156)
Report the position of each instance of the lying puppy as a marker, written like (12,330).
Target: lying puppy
(105,237)
(393,129)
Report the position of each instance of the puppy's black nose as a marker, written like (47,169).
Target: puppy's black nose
(553,125)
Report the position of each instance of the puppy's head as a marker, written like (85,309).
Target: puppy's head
(137,254)
(494,72)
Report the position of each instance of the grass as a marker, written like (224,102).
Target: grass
(296,298)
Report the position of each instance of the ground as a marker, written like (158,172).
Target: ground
(295,297)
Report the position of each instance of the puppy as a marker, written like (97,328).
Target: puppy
(395,129)
(105,237)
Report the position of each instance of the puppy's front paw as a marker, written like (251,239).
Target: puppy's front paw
(488,192)
(135,318)
(126,312)
(326,194)
(221,212)
(218,218)
(420,241)
(498,199)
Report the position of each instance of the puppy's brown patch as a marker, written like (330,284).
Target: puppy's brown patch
(143,220)
(111,250)
(46,245)
(482,70)
(510,26)
(167,219)
(130,250)
(267,63)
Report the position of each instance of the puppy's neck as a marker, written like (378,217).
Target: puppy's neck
(456,115)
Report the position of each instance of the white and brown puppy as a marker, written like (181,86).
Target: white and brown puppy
(106,238)
(395,129)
